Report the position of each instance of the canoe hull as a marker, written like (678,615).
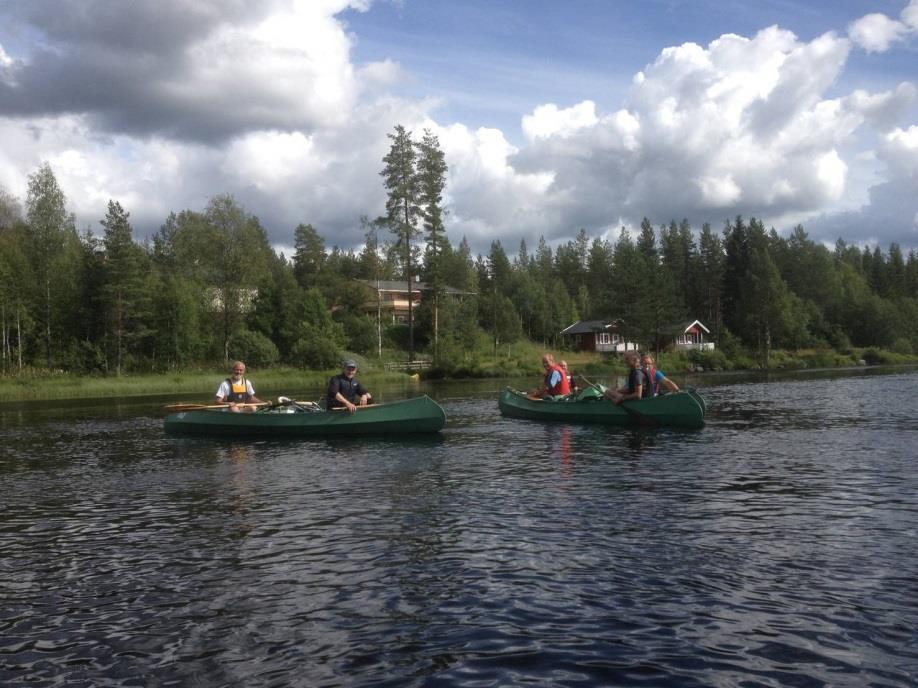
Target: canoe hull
(675,410)
(419,415)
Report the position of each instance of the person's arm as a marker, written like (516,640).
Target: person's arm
(670,385)
(637,393)
(251,392)
(222,392)
(347,404)
(334,388)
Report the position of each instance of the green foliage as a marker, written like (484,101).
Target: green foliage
(318,337)
(254,348)
(876,357)
(360,333)
(396,335)
(209,286)
(708,360)
(316,352)
(902,346)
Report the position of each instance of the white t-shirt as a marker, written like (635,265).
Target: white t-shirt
(224,390)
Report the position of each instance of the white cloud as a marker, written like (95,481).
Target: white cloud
(742,126)
(900,151)
(548,120)
(910,15)
(876,32)
(745,125)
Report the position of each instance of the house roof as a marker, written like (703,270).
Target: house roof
(689,324)
(587,326)
(402,286)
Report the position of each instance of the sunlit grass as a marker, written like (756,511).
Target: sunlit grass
(520,359)
(34,385)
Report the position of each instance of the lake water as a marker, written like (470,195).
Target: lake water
(778,546)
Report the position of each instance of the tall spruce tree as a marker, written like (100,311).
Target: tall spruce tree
(403,208)
(309,255)
(431,171)
(124,280)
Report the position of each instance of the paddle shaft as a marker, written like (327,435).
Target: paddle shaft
(637,415)
(198,407)
(344,408)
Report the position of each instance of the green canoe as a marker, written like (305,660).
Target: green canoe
(418,415)
(678,410)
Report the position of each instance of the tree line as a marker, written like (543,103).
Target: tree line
(208,287)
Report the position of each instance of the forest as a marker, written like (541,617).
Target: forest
(208,287)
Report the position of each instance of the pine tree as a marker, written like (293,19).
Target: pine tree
(431,170)
(123,286)
(709,276)
(309,255)
(403,208)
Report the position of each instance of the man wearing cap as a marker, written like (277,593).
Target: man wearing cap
(344,391)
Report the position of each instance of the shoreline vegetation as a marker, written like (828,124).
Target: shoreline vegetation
(519,361)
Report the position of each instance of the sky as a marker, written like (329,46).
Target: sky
(553,116)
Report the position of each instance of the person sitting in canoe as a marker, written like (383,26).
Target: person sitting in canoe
(637,388)
(237,389)
(571,382)
(556,383)
(344,391)
(656,377)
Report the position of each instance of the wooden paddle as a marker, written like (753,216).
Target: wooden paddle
(637,415)
(177,408)
(344,408)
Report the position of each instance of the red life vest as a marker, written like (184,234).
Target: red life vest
(563,386)
(652,379)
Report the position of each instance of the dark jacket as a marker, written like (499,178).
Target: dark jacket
(350,390)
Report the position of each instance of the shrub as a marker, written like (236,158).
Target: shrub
(709,360)
(875,357)
(254,348)
(360,331)
(316,353)
(396,336)
(902,346)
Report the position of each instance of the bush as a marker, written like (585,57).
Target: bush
(728,343)
(396,336)
(316,353)
(902,346)
(825,359)
(360,331)
(709,360)
(254,348)
(875,357)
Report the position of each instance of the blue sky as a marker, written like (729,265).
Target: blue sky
(491,61)
(554,116)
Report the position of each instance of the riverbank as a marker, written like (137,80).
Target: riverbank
(44,386)
(522,362)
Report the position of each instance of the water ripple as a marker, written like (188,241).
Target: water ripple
(773,548)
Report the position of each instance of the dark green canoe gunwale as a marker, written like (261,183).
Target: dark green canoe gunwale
(675,410)
(418,415)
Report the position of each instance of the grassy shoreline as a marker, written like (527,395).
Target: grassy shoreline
(37,385)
